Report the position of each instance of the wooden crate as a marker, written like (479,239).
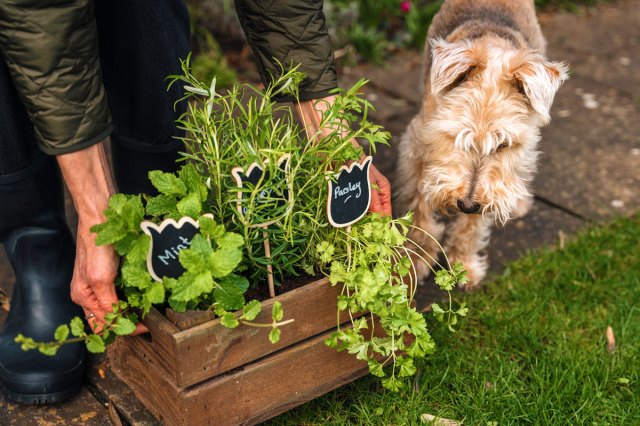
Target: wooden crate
(209,374)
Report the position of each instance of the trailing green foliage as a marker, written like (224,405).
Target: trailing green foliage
(371,261)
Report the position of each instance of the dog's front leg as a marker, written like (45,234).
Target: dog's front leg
(467,236)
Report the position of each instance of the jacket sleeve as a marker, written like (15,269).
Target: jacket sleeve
(51,49)
(293,32)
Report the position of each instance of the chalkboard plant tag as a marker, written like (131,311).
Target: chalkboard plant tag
(255,175)
(167,239)
(350,194)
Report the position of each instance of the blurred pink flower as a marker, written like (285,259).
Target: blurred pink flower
(405,6)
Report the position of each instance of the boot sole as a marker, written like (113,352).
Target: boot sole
(45,398)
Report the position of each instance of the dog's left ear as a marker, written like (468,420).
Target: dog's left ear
(540,80)
(450,63)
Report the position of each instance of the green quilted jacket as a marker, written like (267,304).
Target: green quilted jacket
(51,49)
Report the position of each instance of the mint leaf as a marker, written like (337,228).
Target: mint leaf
(193,261)
(277,313)
(62,332)
(135,276)
(139,249)
(191,286)
(200,245)
(224,260)
(161,205)
(95,344)
(191,205)
(251,310)
(274,335)
(241,282)
(228,296)
(49,350)
(123,326)
(155,293)
(230,240)
(167,183)
(77,327)
(193,180)
(229,320)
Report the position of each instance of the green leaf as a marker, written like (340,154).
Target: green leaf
(155,293)
(229,320)
(239,281)
(134,275)
(62,332)
(207,226)
(224,260)
(191,205)
(190,286)
(193,180)
(251,310)
(139,250)
(277,313)
(193,261)
(438,312)
(161,205)
(167,183)
(200,245)
(124,326)
(95,344)
(48,350)
(228,295)
(274,335)
(230,240)
(77,327)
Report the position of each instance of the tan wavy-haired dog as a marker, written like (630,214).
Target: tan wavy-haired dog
(471,151)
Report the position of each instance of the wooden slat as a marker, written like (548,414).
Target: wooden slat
(250,395)
(208,349)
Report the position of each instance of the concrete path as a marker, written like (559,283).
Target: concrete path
(590,170)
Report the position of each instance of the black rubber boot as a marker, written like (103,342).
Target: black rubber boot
(133,162)
(42,252)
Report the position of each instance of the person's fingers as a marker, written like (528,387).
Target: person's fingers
(381,198)
(140,329)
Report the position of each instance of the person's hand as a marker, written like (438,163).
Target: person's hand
(88,178)
(311,113)
(92,286)
(380,197)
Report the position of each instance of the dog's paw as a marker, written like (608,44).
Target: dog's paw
(523,206)
(476,267)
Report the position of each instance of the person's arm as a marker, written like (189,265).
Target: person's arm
(310,112)
(88,178)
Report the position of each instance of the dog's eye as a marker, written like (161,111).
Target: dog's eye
(461,78)
(519,87)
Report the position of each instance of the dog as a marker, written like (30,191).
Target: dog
(471,151)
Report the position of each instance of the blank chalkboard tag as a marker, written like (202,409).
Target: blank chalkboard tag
(167,239)
(349,195)
(255,172)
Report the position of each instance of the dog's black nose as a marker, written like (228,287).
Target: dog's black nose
(468,206)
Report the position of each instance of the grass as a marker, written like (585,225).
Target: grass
(532,351)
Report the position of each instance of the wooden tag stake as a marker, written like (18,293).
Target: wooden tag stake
(256,173)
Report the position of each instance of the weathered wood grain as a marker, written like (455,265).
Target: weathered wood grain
(251,394)
(208,349)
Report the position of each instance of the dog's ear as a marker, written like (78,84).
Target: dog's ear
(450,63)
(540,79)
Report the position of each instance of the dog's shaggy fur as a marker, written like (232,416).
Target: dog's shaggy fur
(471,151)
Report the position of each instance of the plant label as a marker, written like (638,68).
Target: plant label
(259,175)
(167,239)
(350,194)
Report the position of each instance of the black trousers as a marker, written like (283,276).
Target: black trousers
(141,43)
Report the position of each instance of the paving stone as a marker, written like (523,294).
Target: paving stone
(104,381)
(82,410)
(591,152)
